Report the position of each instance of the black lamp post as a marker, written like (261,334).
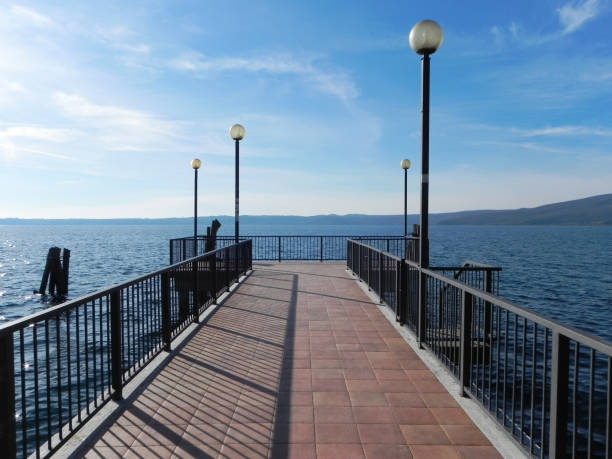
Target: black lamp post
(425,38)
(237,133)
(195,164)
(405,164)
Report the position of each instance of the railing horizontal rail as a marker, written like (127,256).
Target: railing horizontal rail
(298,247)
(60,366)
(548,384)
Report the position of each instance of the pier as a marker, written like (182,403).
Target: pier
(296,362)
(215,356)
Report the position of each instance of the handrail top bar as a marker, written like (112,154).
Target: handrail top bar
(229,237)
(466,268)
(53,311)
(479,264)
(592,341)
(374,249)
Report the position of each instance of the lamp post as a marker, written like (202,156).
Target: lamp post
(237,133)
(195,164)
(425,38)
(405,164)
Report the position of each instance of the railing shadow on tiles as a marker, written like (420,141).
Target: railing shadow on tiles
(58,367)
(547,384)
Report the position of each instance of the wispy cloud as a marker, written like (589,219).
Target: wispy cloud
(338,84)
(126,129)
(16,139)
(573,15)
(121,38)
(31,16)
(564,131)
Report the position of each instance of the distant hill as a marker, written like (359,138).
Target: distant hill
(593,211)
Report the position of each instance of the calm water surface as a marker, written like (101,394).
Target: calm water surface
(561,272)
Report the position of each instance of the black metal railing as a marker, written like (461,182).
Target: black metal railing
(548,384)
(59,366)
(298,248)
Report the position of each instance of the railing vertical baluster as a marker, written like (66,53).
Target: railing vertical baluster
(165,311)
(403,289)
(321,246)
(213,276)
(115,319)
(488,281)
(380,278)
(279,249)
(558,395)
(196,307)
(421,315)
(369,252)
(609,412)
(8,427)
(465,369)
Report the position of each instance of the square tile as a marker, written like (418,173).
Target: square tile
(368,399)
(410,399)
(333,414)
(331,398)
(380,433)
(336,451)
(294,432)
(424,435)
(466,435)
(373,415)
(336,433)
(378,451)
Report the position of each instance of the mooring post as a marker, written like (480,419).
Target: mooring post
(65,269)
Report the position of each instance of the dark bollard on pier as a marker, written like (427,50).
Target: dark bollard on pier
(56,272)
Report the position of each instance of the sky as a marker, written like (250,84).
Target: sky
(103,105)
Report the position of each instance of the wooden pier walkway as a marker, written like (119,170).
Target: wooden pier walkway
(297,362)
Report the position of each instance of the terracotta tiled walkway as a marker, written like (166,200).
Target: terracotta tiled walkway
(296,363)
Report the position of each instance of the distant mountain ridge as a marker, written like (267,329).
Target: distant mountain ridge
(591,211)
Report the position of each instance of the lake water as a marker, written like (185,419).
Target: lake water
(561,272)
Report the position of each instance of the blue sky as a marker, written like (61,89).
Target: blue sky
(104,104)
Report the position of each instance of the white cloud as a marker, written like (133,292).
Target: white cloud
(19,139)
(338,84)
(121,38)
(573,15)
(31,16)
(564,131)
(36,133)
(126,129)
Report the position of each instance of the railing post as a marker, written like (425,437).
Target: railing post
(559,395)
(321,245)
(165,311)
(196,297)
(170,251)
(403,292)
(279,249)
(359,261)
(387,245)
(8,432)
(488,282)
(213,277)
(369,252)
(115,320)
(380,277)
(465,365)
(422,311)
